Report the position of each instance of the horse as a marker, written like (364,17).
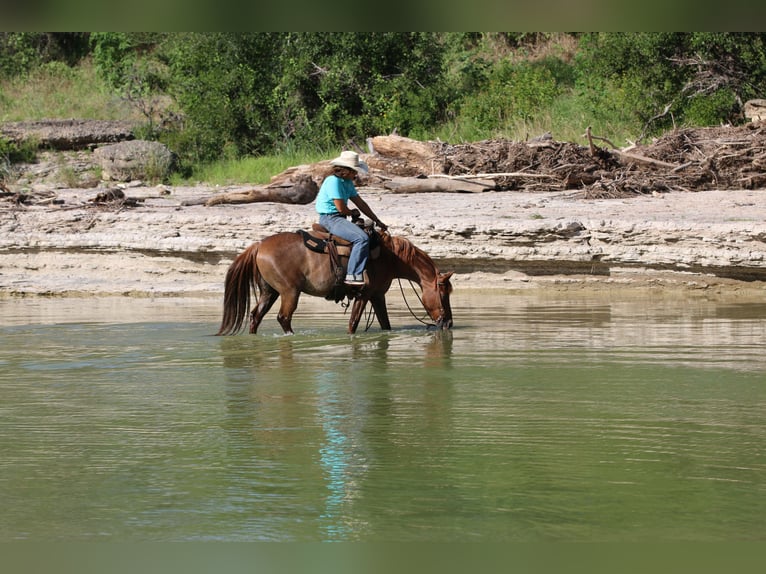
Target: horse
(282,266)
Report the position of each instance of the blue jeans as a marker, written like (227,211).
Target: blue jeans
(360,241)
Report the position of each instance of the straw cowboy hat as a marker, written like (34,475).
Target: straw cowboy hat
(350,159)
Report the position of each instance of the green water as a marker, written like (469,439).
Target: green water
(535,419)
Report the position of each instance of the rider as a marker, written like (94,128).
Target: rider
(332,206)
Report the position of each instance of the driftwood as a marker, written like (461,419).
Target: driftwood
(624,157)
(682,160)
(521,174)
(755,110)
(316,171)
(434,184)
(301,191)
(418,156)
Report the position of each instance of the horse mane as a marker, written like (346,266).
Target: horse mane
(408,252)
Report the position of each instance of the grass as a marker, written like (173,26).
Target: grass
(564,119)
(255,170)
(58,91)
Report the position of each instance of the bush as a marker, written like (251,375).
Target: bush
(512,92)
(702,76)
(21,52)
(710,110)
(13,152)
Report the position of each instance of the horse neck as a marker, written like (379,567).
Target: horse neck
(412,263)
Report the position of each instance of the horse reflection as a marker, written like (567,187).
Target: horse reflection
(328,414)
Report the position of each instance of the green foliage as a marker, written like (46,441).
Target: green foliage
(348,86)
(18,54)
(227,96)
(512,91)
(129,66)
(21,52)
(250,93)
(702,77)
(116,55)
(709,110)
(629,73)
(13,152)
(224,84)
(251,170)
(55,90)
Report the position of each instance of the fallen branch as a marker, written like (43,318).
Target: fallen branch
(591,137)
(663,113)
(643,159)
(493,175)
(622,156)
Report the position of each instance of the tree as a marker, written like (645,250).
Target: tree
(700,78)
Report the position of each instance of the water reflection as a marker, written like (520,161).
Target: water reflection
(536,419)
(326,394)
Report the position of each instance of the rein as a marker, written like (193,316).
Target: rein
(408,304)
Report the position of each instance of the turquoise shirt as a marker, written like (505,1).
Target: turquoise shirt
(334,187)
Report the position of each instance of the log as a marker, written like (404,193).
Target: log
(755,110)
(415,154)
(302,191)
(521,174)
(444,185)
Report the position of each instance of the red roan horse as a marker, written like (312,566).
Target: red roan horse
(282,266)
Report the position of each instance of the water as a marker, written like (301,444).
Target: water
(535,419)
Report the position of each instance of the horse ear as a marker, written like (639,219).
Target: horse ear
(446,276)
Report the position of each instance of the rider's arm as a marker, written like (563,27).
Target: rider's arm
(342,207)
(364,208)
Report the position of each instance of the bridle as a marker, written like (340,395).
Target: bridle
(440,320)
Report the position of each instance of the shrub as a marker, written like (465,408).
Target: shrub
(512,92)
(12,152)
(709,110)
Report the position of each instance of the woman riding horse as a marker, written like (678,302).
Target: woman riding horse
(332,205)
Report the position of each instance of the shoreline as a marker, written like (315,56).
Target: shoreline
(707,243)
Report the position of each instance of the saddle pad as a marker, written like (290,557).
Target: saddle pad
(319,245)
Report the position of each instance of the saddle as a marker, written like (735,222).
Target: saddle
(320,240)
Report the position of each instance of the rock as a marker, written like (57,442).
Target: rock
(136,159)
(69,134)
(109,195)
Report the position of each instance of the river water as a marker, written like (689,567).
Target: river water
(538,418)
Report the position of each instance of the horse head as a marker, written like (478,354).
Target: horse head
(436,301)
(436,287)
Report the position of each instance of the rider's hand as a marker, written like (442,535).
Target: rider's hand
(383,226)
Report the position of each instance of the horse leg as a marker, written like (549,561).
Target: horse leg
(286,310)
(265,301)
(356,314)
(381,311)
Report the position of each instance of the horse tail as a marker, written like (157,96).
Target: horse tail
(241,279)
